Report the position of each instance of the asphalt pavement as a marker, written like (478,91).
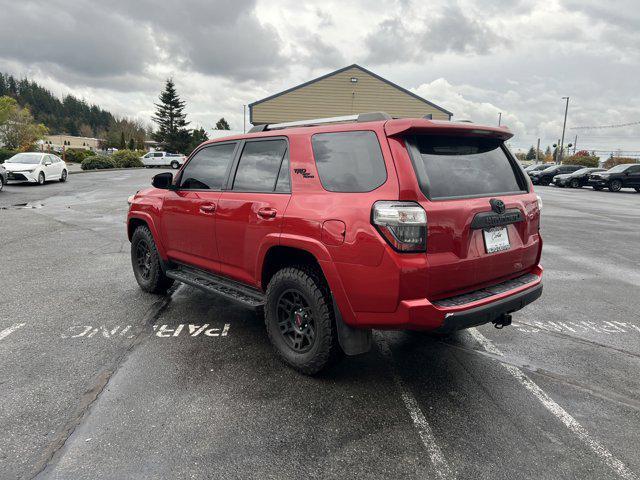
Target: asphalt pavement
(99,380)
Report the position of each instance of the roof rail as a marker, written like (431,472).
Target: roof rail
(362,117)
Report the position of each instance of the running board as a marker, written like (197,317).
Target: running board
(218,285)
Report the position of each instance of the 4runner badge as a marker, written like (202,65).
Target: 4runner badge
(303,172)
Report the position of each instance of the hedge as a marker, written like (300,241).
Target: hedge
(97,162)
(77,155)
(127,159)
(584,160)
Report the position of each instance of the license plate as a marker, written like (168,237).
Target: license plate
(496,239)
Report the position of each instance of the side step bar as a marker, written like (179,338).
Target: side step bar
(218,285)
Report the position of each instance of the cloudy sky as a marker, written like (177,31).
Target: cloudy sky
(518,57)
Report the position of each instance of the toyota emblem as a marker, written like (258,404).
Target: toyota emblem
(497,206)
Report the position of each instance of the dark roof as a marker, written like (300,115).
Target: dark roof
(330,74)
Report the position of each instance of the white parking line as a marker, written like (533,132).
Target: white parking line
(571,423)
(8,331)
(440,464)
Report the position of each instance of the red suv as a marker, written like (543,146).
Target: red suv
(338,226)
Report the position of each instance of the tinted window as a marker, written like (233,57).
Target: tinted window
(464,166)
(349,161)
(283,185)
(259,166)
(208,168)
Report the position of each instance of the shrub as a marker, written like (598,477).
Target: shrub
(127,159)
(6,153)
(613,161)
(96,162)
(584,160)
(77,155)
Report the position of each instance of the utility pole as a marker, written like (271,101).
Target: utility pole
(564,126)
(575,144)
(499,118)
(244,119)
(538,152)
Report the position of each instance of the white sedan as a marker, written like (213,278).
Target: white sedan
(35,167)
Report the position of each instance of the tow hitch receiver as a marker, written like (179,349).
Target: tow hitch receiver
(502,321)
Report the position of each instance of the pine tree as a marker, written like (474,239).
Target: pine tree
(222,124)
(531,154)
(172,133)
(199,135)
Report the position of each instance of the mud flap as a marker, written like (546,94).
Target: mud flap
(353,341)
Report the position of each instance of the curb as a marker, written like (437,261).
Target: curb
(105,170)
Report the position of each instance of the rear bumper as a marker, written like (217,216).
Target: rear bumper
(463,311)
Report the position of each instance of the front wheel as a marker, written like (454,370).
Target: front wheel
(615,186)
(575,183)
(175,165)
(145,261)
(299,319)
(41,178)
(63,177)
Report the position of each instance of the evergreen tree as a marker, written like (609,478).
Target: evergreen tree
(131,145)
(531,154)
(199,135)
(222,124)
(172,133)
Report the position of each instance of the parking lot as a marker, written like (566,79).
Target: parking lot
(100,380)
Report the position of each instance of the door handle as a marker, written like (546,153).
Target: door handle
(267,212)
(208,208)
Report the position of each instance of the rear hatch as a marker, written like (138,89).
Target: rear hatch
(482,219)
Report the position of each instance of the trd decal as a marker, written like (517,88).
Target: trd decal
(303,172)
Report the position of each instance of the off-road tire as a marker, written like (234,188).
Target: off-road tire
(155,281)
(615,186)
(310,284)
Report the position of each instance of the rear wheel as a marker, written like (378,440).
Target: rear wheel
(299,319)
(145,261)
(575,183)
(615,186)
(41,178)
(63,177)
(175,165)
(1,183)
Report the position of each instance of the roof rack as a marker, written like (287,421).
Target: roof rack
(362,117)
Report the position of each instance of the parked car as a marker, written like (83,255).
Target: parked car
(36,167)
(577,179)
(544,177)
(616,178)
(536,167)
(338,228)
(163,159)
(3,177)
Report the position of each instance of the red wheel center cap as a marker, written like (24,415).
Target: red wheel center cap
(298,320)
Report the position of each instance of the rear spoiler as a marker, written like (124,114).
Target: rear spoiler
(414,126)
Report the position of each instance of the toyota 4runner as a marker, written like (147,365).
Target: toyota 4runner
(334,227)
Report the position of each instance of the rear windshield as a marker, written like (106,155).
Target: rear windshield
(465,167)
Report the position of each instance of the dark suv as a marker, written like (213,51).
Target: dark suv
(544,177)
(616,178)
(334,229)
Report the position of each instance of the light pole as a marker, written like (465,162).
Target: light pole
(564,126)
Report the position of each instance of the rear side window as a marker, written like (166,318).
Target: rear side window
(208,168)
(259,166)
(349,161)
(464,166)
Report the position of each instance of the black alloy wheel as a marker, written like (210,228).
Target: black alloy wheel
(615,186)
(296,322)
(143,258)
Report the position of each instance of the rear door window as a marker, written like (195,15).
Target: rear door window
(207,170)
(450,167)
(349,161)
(259,166)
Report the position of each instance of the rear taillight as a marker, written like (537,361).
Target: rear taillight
(402,224)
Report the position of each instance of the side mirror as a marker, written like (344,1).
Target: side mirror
(163,181)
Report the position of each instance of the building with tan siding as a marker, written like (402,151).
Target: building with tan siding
(348,91)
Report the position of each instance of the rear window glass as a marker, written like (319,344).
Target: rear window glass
(349,161)
(464,166)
